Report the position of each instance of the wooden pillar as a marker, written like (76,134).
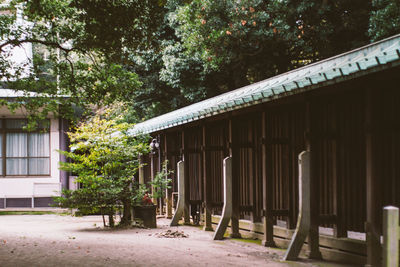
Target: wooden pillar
(235,184)
(186,213)
(252,167)
(141,170)
(168,195)
(372,225)
(227,210)
(159,151)
(180,206)
(391,235)
(313,235)
(152,173)
(340,227)
(206,183)
(303,224)
(268,239)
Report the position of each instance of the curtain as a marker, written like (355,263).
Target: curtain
(39,148)
(23,150)
(39,166)
(17,166)
(17,147)
(39,145)
(17,144)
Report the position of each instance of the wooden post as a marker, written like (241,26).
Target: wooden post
(161,200)
(235,184)
(304,218)
(372,230)
(141,170)
(180,206)
(227,210)
(340,227)
(391,236)
(252,165)
(313,235)
(152,173)
(168,196)
(186,213)
(268,239)
(207,184)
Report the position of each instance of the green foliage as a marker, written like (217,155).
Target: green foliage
(385,19)
(206,48)
(105,159)
(157,56)
(161,182)
(87,45)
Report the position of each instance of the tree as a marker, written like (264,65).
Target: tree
(88,43)
(105,159)
(206,48)
(247,41)
(385,19)
(157,56)
(161,182)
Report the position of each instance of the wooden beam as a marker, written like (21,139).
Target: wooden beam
(235,183)
(252,167)
(186,213)
(391,235)
(228,200)
(303,225)
(152,173)
(180,206)
(268,239)
(168,193)
(206,183)
(339,229)
(372,225)
(313,235)
(141,170)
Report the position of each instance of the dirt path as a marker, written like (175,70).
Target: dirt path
(54,240)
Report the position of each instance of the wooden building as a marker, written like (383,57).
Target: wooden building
(345,110)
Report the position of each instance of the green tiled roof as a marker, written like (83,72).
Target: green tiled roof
(374,57)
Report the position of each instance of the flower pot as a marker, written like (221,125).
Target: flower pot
(147,213)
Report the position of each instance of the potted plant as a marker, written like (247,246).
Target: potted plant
(146,210)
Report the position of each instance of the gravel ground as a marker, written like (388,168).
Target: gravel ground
(55,240)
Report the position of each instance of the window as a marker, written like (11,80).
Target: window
(24,153)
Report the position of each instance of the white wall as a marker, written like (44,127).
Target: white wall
(20,57)
(43,186)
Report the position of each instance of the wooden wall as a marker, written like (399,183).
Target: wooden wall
(334,124)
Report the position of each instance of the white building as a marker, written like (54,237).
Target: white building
(29,174)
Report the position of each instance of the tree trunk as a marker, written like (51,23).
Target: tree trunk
(102,215)
(111,220)
(127,215)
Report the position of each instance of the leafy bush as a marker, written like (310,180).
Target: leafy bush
(161,182)
(105,159)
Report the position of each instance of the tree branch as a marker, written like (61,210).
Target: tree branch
(17,42)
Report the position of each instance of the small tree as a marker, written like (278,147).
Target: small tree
(105,159)
(161,182)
